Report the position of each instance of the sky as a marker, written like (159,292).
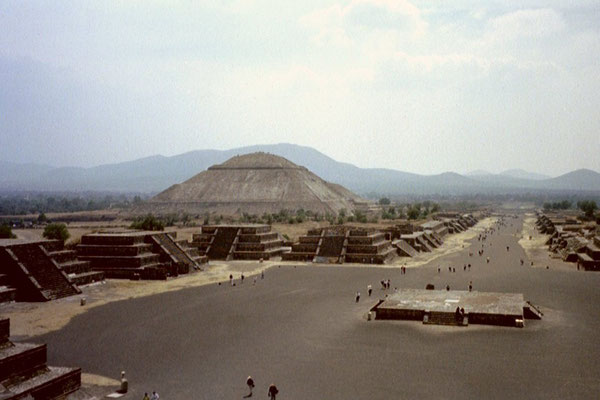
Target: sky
(421,86)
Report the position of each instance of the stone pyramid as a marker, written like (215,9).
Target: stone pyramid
(254,183)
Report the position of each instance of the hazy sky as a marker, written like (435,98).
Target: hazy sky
(421,86)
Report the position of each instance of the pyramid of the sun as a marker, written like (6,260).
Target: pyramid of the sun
(254,183)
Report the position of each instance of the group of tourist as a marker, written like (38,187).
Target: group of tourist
(242,277)
(272,391)
(452,269)
(154,396)
(385,284)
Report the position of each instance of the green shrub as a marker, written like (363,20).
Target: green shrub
(6,232)
(56,231)
(148,223)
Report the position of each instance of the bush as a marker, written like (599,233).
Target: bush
(588,207)
(360,217)
(56,231)
(148,223)
(6,232)
(413,213)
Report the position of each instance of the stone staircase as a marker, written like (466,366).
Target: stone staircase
(331,246)
(79,272)
(164,243)
(404,249)
(221,245)
(40,277)
(237,242)
(430,240)
(24,373)
(193,252)
(531,311)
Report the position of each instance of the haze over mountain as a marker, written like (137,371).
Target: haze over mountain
(522,174)
(156,173)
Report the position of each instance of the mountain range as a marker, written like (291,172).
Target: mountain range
(156,173)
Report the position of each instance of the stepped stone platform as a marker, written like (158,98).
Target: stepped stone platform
(436,227)
(589,257)
(25,375)
(342,244)
(138,255)
(237,242)
(40,270)
(439,307)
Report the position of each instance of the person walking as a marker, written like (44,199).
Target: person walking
(369,289)
(155,396)
(273,391)
(146,397)
(357,296)
(250,383)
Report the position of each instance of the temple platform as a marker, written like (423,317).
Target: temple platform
(439,307)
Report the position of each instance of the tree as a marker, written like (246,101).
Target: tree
(56,231)
(384,201)
(588,207)
(413,213)
(42,218)
(6,232)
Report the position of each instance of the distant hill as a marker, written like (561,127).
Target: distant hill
(522,174)
(157,173)
(478,172)
(579,180)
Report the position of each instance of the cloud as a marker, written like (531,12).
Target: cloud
(526,24)
(342,25)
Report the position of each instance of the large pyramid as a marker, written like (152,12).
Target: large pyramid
(254,183)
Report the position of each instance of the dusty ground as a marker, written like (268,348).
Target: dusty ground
(31,319)
(300,328)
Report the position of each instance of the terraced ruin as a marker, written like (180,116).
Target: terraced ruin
(237,242)
(138,255)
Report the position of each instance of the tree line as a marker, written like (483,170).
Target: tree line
(35,203)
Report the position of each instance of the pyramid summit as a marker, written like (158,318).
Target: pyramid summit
(254,183)
(258,160)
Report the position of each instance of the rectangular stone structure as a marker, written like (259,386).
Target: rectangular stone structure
(487,308)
